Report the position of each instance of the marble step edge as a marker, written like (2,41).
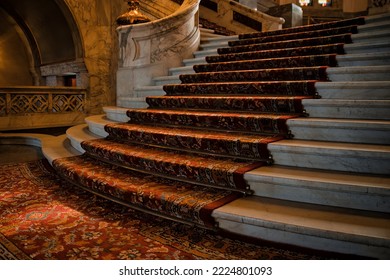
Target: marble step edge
(337,189)
(114,114)
(315,227)
(354,90)
(79,133)
(341,130)
(347,108)
(144,91)
(96,124)
(336,156)
(377,18)
(381,34)
(373,45)
(359,73)
(217,40)
(164,80)
(175,71)
(363,59)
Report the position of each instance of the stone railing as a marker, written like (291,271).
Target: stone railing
(237,17)
(378,7)
(380,3)
(33,107)
(150,49)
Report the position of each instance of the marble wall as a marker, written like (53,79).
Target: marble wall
(96,22)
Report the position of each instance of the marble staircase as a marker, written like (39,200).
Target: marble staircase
(329,186)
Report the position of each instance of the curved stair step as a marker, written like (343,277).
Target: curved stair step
(306,225)
(248,122)
(338,156)
(162,197)
(262,104)
(238,145)
(188,167)
(364,90)
(341,130)
(347,109)
(338,189)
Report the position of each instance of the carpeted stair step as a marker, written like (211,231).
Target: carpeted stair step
(338,156)
(353,29)
(287,52)
(359,73)
(296,43)
(341,130)
(306,28)
(218,172)
(338,189)
(278,105)
(277,74)
(312,226)
(270,88)
(348,109)
(284,62)
(248,122)
(231,144)
(162,197)
(366,90)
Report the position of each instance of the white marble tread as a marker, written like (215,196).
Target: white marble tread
(312,226)
(79,133)
(354,90)
(341,130)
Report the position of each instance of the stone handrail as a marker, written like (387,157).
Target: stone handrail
(237,17)
(150,49)
(28,107)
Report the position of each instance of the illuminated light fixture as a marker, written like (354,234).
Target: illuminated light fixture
(133,15)
(324,3)
(304,2)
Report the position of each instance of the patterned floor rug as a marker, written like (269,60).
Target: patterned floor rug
(43,217)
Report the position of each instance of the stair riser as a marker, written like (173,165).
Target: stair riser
(352,91)
(167,80)
(147,92)
(355,135)
(132,102)
(382,58)
(361,162)
(357,77)
(348,112)
(179,71)
(382,34)
(367,48)
(289,236)
(302,191)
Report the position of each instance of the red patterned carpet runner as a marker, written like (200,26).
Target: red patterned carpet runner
(187,153)
(43,217)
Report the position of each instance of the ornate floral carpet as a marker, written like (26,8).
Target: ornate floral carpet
(43,217)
